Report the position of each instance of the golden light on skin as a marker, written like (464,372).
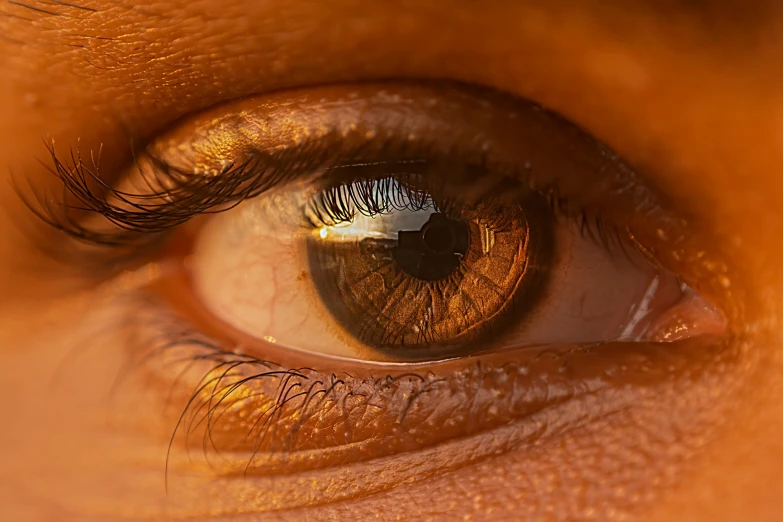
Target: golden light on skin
(702,98)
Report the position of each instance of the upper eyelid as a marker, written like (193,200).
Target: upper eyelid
(608,189)
(157,104)
(168,191)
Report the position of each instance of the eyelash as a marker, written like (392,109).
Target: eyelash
(367,197)
(142,221)
(175,196)
(214,393)
(230,379)
(187,196)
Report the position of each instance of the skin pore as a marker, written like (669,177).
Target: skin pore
(691,94)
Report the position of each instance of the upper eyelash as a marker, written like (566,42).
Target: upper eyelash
(368,197)
(184,197)
(142,220)
(176,196)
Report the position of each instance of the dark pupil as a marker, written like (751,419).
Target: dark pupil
(435,251)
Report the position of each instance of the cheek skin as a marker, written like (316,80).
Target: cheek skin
(57,444)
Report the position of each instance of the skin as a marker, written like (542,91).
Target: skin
(692,95)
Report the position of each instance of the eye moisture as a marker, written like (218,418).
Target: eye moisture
(417,281)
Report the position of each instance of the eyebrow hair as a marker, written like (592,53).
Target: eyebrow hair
(33,8)
(75,6)
(51,8)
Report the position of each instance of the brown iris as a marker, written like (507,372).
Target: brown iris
(414,280)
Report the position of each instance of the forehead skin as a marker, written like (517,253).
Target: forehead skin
(692,91)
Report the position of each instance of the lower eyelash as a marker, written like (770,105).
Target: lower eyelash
(227,379)
(232,403)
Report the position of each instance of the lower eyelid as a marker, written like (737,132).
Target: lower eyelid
(295,488)
(274,419)
(671,379)
(625,395)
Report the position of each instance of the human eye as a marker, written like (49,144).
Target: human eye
(432,235)
(327,278)
(549,286)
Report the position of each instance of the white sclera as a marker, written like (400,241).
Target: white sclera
(250,268)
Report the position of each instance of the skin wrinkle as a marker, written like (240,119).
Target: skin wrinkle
(664,115)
